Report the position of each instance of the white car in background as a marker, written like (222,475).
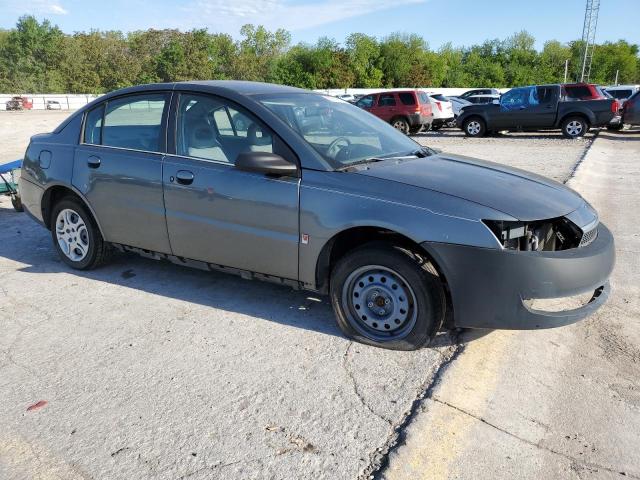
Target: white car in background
(622,92)
(53,105)
(457,104)
(347,97)
(442,110)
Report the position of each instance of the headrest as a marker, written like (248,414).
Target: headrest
(202,135)
(257,136)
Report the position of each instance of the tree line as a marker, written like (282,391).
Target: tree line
(37,57)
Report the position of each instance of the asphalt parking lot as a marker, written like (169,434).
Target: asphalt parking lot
(144,369)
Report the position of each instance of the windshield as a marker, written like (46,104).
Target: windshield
(342,133)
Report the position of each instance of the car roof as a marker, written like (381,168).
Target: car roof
(622,87)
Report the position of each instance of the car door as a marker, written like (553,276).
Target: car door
(540,110)
(217,213)
(386,107)
(510,113)
(118,168)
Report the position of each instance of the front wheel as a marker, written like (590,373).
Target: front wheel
(574,127)
(474,127)
(387,297)
(76,236)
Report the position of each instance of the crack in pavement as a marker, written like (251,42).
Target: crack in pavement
(537,445)
(345,359)
(379,459)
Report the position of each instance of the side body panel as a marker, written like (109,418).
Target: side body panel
(333,202)
(234,218)
(125,192)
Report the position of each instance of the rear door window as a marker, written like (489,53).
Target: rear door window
(577,92)
(135,122)
(93,126)
(387,100)
(407,98)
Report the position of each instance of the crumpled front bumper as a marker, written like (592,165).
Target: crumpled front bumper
(489,287)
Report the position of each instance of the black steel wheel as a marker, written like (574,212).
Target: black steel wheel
(388,297)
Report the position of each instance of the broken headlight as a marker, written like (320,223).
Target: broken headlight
(554,234)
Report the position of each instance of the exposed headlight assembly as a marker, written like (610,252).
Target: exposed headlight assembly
(554,234)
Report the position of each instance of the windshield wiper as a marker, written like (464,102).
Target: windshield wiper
(362,162)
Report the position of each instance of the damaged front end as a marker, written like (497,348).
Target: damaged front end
(544,235)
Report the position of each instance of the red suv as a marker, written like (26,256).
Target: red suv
(407,110)
(581,91)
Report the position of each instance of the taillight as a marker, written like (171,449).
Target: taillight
(439,106)
(615,106)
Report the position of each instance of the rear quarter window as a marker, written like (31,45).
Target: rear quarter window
(407,98)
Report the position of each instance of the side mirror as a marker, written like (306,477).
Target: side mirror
(267,163)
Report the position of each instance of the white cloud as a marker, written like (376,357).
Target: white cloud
(57,9)
(37,7)
(228,15)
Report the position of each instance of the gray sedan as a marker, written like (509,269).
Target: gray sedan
(281,184)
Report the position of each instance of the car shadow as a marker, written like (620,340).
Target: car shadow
(226,292)
(622,135)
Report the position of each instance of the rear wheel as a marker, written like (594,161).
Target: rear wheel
(76,236)
(574,127)
(474,127)
(387,297)
(16,201)
(401,124)
(415,130)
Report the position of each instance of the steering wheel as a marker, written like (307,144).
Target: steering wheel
(335,146)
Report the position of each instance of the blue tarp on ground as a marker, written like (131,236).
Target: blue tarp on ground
(7,167)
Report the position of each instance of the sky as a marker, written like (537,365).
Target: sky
(461,22)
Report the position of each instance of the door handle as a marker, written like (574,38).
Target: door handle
(93,161)
(184,177)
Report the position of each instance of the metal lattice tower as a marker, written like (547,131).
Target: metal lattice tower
(589,37)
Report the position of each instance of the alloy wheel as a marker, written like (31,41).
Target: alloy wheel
(574,128)
(474,127)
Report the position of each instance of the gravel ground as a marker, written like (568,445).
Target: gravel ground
(546,153)
(144,369)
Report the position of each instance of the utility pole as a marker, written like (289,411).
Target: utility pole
(616,82)
(589,37)
(566,70)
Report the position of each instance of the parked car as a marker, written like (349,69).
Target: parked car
(19,103)
(400,237)
(622,92)
(457,104)
(53,105)
(442,111)
(482,99)
(631,110)
(538,107)
(581,91)
(9,177)
(347,97)
(407,110)
(479,91)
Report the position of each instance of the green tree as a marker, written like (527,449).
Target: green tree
(364,60)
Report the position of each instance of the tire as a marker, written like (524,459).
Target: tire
(16,201)
(76,236)
(474,127)
(415,130)
(615,128)
(574,127)
(389,278)
(401,124)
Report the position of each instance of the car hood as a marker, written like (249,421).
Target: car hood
(520,194)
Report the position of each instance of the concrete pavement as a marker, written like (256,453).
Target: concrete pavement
(553,404)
